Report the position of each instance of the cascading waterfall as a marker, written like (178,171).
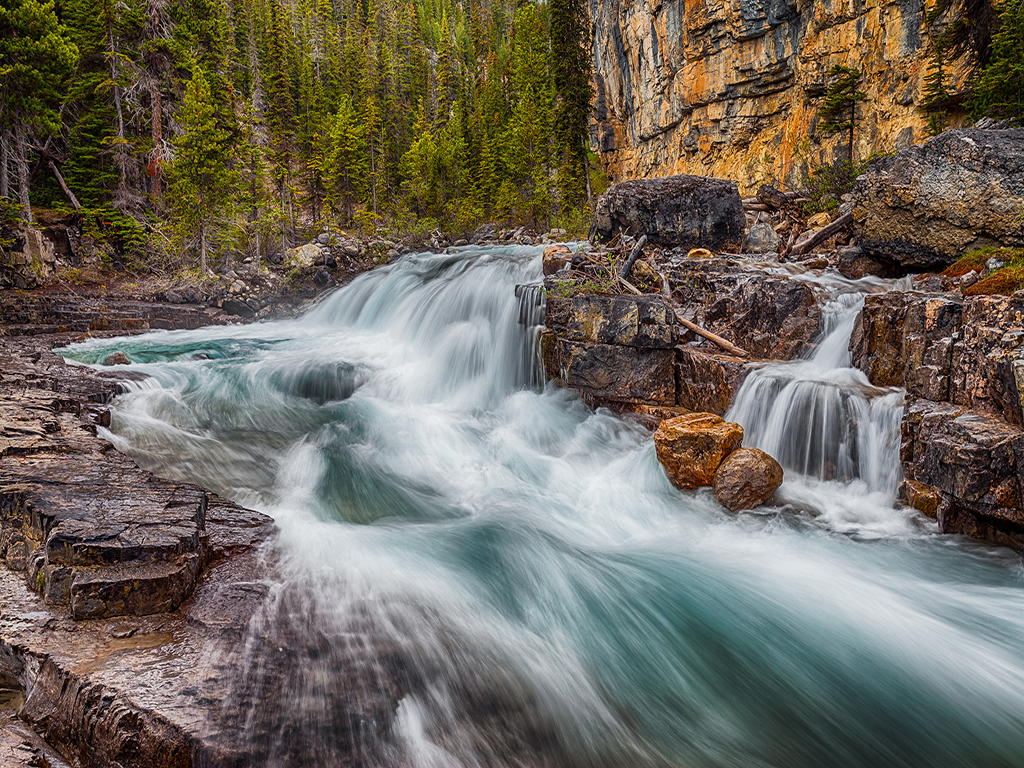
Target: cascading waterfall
(476,570)
(822,418)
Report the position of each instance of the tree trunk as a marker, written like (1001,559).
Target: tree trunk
(21,160)
(157,136)
(586,176)
(122,155)
(5,190)
(63,185)
(202,247)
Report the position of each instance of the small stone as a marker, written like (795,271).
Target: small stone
(117,358)
(746,479)
(699,253)
(691,447)
(322,277)
(555,257)
(993,264)
(323,238)
(818,262)
(819,220)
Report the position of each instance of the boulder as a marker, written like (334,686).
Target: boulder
(762,239)
(746,479)
(692,447)
(854,263)
(305,256)
(930,203)
(555,257)
(685,211)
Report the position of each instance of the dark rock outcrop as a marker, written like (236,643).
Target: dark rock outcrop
(685,211)
(960,361)
(974,464)
(773,317)
(692,447)
(930,203)
(746,479)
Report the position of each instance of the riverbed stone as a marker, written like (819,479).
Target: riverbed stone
(683,211)
(692,447)
(762,238)
(746,479)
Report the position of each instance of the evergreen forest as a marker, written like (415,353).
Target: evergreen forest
(230,125)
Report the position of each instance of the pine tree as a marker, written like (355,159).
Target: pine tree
(999,90)
(571,69)
(202,177)
(839,110)
(36,53)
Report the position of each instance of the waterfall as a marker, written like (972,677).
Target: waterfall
(474,570)
(823,419)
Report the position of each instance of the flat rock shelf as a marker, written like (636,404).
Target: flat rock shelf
(124,595)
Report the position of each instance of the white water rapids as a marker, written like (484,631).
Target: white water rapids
(479,571)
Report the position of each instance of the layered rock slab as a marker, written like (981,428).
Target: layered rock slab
(930,203)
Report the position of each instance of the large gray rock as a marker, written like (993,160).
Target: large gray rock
(686,211)
(929,204)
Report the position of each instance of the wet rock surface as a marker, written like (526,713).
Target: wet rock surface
(692,447)
(929,204)
(746,479)
(124,596)
(959,360)
(685,211)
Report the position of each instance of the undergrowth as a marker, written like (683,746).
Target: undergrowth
(1006,280)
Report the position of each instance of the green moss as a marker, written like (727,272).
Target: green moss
(1003,281)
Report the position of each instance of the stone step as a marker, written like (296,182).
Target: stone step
(133,588)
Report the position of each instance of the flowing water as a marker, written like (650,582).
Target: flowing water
(477,570)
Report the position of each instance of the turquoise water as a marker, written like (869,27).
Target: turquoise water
(548,596)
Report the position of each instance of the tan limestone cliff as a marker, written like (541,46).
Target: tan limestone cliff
(732,88)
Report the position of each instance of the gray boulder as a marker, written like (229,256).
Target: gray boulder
(931,203)
(684,211)
(762,239)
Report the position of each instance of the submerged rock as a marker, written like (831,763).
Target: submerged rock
(692,447)
(931,203)
(117,358)
(746,479)
(685,211)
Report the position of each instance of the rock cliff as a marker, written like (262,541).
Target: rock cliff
(732,89)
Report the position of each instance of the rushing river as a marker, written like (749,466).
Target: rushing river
(523,568)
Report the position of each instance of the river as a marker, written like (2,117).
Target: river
(477,570)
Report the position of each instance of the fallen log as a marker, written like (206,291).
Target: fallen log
(637,249)
(728,346)
(823,234)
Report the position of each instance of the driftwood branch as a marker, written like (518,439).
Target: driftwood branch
(728,346)
(725,344)
(824,233)
(60,180)
(624,272)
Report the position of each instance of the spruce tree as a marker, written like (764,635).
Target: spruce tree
(999,90)
(202,177)
(839,110)
(571,69)
(36,53)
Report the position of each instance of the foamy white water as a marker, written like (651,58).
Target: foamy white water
(478,571)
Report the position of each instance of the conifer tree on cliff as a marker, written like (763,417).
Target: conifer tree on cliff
(999,90)
(839,110)
(202,180)
(571,69)
(35,55)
